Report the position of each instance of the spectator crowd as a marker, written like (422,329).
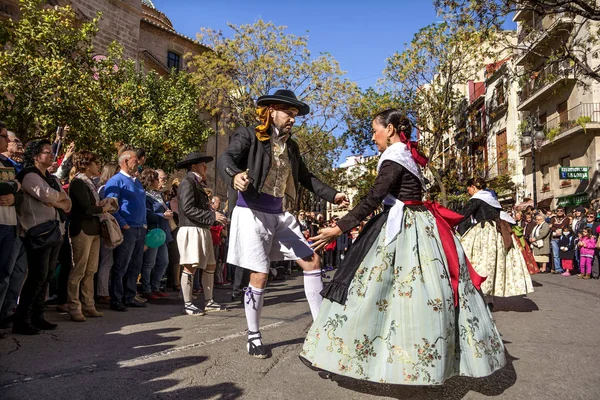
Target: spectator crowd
(563,243)
(75,234)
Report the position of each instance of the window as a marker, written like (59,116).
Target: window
(565,161)
(545,169)
(543,119)
(173,60)
(500,98)
(502,152)
(563,113)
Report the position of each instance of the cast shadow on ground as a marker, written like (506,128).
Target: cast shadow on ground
(285,298)
(536,284)
(516,304)
(142,367)
(272,346)
(453,389)
(153,381)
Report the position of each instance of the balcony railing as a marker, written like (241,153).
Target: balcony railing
(576,116)
(540,30)
(541,79)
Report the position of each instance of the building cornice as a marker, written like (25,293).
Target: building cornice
(173,31)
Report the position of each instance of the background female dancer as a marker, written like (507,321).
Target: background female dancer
(491,247)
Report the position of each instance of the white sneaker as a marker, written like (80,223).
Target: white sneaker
(140,299)
(191,309)
(211,306)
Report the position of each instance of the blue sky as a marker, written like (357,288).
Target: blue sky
(359,34)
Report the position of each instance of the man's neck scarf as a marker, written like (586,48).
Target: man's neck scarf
(264,117)
(262,130)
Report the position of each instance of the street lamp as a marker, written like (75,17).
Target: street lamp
(533,135)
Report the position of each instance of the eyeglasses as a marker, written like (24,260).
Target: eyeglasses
(5,137)
(591,216)
(15,141)
(47,152)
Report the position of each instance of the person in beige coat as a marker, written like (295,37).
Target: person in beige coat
(540,242)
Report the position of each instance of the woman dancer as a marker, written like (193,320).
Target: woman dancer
(402,307)
(491,247)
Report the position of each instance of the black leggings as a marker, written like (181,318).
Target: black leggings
(41,265)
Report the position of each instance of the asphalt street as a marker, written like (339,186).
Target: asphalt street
(552,338)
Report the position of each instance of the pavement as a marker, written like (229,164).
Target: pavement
(551,337)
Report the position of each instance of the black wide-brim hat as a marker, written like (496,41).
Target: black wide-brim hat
(285,97)
(194,158)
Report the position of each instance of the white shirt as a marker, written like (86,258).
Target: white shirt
(127,175)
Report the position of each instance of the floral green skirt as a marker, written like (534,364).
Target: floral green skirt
(506,271)
(399,324)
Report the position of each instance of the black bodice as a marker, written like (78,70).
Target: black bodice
(480,210)
(392,178)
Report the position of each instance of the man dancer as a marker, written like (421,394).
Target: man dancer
(264,165)
(194,240)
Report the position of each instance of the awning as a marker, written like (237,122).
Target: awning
(524,205)
(545,203)
(573,199)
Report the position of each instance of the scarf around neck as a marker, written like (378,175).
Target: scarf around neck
(488,198)
(89,184)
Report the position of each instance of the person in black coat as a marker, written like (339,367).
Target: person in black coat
(264,165)
(194,240)
(567,245)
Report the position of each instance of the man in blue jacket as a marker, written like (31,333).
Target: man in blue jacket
(128,256)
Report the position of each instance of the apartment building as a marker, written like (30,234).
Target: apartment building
(568,109)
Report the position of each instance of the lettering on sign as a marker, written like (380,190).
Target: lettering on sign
(582,173)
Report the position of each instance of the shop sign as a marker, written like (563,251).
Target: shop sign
(582,173)
(573,200)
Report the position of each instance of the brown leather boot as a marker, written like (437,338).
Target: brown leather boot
(77,316)
(92,313)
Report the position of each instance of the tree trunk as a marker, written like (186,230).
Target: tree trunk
(438,179)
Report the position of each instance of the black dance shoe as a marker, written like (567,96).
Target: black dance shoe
(257,351)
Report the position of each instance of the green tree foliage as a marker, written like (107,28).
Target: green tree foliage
(359,134)
(361,112)
(426,75)
(48,78)
(159,114)
(45,68)
(259,58)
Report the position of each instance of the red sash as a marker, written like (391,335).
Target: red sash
(445,219)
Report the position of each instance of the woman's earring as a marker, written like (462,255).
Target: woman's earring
(389,141)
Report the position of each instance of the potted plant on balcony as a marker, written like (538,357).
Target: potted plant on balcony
(552,133)
(565,183)
(582,121)
(545,187)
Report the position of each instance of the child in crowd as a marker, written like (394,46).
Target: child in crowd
(587,247)
(566,243)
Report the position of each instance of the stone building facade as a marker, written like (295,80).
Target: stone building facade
(567,107)
(148,37)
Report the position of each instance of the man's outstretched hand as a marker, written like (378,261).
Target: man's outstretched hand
(341,200)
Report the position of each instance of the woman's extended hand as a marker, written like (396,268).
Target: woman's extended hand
(325,236)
